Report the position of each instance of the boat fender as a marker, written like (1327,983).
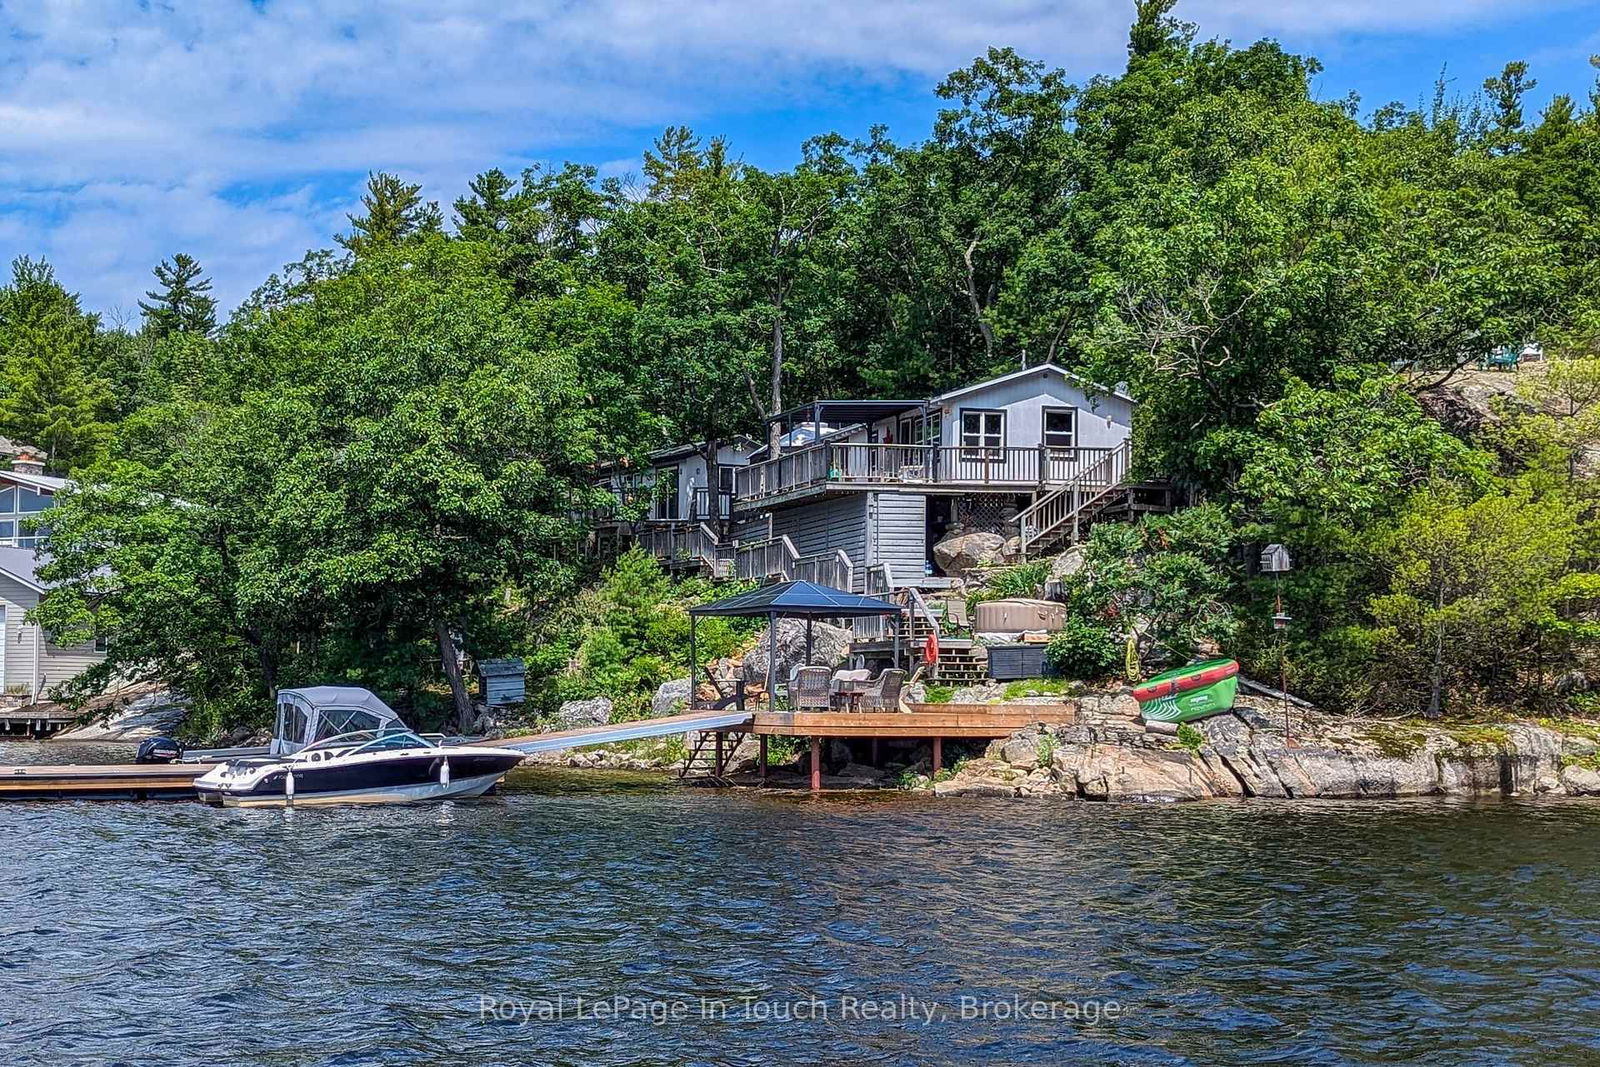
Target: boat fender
(444,772)
(288,786)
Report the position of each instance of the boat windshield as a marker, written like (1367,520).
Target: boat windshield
(396,739)
(371,740)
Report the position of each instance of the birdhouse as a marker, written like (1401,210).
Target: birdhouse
(1275,560)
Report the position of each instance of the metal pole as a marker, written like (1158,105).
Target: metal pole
(762,742)
(772,661)
(938,754)
(688,701)
(808,641)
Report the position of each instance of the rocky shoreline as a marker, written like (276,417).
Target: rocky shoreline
(1246,753)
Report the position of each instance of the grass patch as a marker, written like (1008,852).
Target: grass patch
(1396,740)
(1039,687)
(1477,735)
(1190,738)
(939,694)
(1585,728)
(1591,762)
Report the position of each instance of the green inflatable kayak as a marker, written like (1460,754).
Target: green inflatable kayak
(1188,693)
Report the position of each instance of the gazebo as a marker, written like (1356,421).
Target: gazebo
(787,600)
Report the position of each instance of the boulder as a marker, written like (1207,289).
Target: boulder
(964,553)
(1580,781)
(830,645)
(671,697)
(578,713)
(1068,563)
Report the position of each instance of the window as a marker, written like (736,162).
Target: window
(983,430)
(667,493)
(8,499)
(102,644)
(336,721)
(1060,428)
(8,532)
(291,723)
(29,501)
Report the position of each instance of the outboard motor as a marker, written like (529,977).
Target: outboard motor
(158,750)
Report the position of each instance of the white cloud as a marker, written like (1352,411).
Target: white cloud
(240,132)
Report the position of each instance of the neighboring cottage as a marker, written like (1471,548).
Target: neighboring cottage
(30,663)
(864,490)
(669,506)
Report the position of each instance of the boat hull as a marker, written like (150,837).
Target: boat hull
(460,789)
(424,776)
(1189,693)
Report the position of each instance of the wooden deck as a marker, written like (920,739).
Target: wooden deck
(956,721)
(105,781)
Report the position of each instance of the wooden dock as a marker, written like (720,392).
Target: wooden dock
(929,722)
(101,781)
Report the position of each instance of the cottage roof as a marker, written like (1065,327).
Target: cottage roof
(1041,369)
(42,482)
(22,565)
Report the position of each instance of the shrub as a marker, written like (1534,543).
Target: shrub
(1084,649)
(1190,737)
(1023,580)
(939,694)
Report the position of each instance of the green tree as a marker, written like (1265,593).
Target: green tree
(51,394)
(420,451)
(182,302)
(1474,595)
(394,211)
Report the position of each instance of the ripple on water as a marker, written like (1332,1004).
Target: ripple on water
(1298,933)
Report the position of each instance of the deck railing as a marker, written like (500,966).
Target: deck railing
(688,543)
(839,464)
(779,559)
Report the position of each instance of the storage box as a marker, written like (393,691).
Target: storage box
(1015,616)
(1009,663)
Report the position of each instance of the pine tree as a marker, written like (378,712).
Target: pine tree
(51,394)
(395,211)
(182,303)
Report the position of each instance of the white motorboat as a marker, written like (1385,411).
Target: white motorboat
(386,766)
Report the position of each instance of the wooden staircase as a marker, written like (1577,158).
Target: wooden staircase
(961,661)
(707,761)
(1065,514)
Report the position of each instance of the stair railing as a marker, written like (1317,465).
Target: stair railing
(1055,509)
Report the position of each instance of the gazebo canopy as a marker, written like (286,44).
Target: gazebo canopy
(799,599)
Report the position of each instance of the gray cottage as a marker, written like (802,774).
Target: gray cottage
(867,488)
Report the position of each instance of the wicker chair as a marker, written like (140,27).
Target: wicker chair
(884,694)
(810,688)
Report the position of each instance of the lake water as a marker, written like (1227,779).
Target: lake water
(765,929)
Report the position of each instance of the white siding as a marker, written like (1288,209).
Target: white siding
(23,645)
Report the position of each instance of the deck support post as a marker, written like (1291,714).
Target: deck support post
(720,763)
(816,765)
(688,701)
(875,752)
(938,754)
(761,743)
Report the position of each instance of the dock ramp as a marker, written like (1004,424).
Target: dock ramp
(610,733)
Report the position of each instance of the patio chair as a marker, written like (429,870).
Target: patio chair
(810,689)
(955,613)
(884,694)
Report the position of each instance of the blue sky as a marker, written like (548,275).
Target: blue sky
(241,132)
